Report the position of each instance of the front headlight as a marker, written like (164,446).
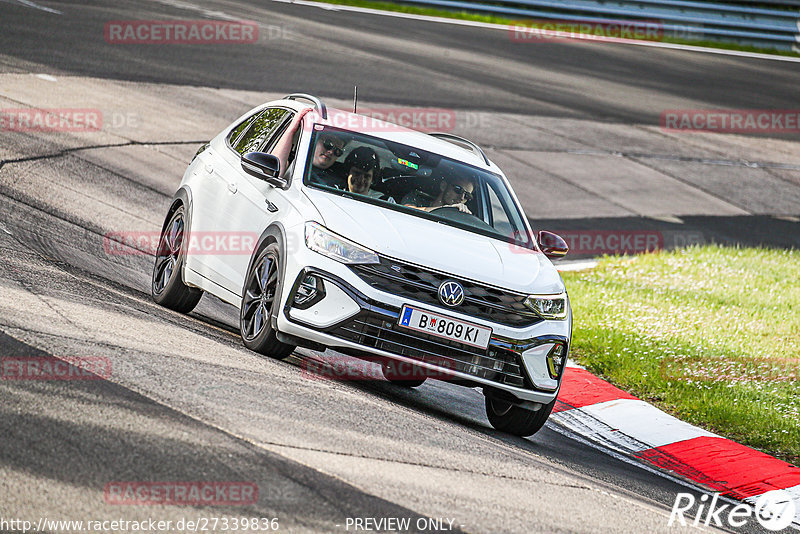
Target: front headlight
(320,239)
(548,306)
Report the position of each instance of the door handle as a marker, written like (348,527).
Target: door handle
(209,168)
(232,187)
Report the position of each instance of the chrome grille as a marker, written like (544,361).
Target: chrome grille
(486,302)
(378,329)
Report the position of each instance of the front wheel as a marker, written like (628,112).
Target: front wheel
(402,374)
(261,296)
(507,417)
(167,287)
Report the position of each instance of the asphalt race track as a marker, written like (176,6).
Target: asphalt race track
(575,124)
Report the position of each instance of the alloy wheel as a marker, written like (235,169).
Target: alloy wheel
(259,296)
(169,248)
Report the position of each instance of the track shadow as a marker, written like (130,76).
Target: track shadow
(89,433)
(590,237)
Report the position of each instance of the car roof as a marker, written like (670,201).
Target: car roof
(356,122)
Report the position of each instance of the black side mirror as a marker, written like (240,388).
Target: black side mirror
(552,245)
(264,167)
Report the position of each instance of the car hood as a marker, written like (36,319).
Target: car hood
(437,246)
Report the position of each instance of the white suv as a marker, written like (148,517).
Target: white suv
(379,242)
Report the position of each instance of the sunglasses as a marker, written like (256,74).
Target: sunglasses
(461,191)
(327,144)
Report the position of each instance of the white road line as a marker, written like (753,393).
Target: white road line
(28,3)
(561,35)
(208,13)
(575,266)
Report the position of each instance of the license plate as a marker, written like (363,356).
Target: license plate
(444,327)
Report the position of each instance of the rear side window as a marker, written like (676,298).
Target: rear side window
(260,130)
(234,135)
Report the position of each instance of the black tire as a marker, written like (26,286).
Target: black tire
(507,417)
(167,287)
(395,376)
(262,289)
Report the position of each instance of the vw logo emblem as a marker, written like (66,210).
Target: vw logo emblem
(451,293)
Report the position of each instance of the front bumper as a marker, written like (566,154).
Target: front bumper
(356,318)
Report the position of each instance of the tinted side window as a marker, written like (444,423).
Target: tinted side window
(260,130)
(240,128)
(505,219)
(277,133)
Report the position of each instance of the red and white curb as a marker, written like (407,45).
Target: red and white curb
(610,417)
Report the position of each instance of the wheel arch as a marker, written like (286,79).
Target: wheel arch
(182,197)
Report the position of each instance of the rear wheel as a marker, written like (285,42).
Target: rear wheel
(261,296)
(167,287)
(507,417)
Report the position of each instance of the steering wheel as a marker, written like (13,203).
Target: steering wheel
(454,214)
(451,210)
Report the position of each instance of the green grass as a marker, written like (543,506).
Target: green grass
(468,15)
(709,334)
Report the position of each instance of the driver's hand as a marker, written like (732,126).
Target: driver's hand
(298,119)
(460,207)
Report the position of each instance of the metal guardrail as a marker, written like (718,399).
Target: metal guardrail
(755,3)
(691,20)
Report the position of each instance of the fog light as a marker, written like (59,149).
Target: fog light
(309,292)
(556,359)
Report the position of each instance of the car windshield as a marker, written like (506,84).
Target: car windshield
(408,179)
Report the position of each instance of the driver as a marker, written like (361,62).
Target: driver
(454,192)
(326,150)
